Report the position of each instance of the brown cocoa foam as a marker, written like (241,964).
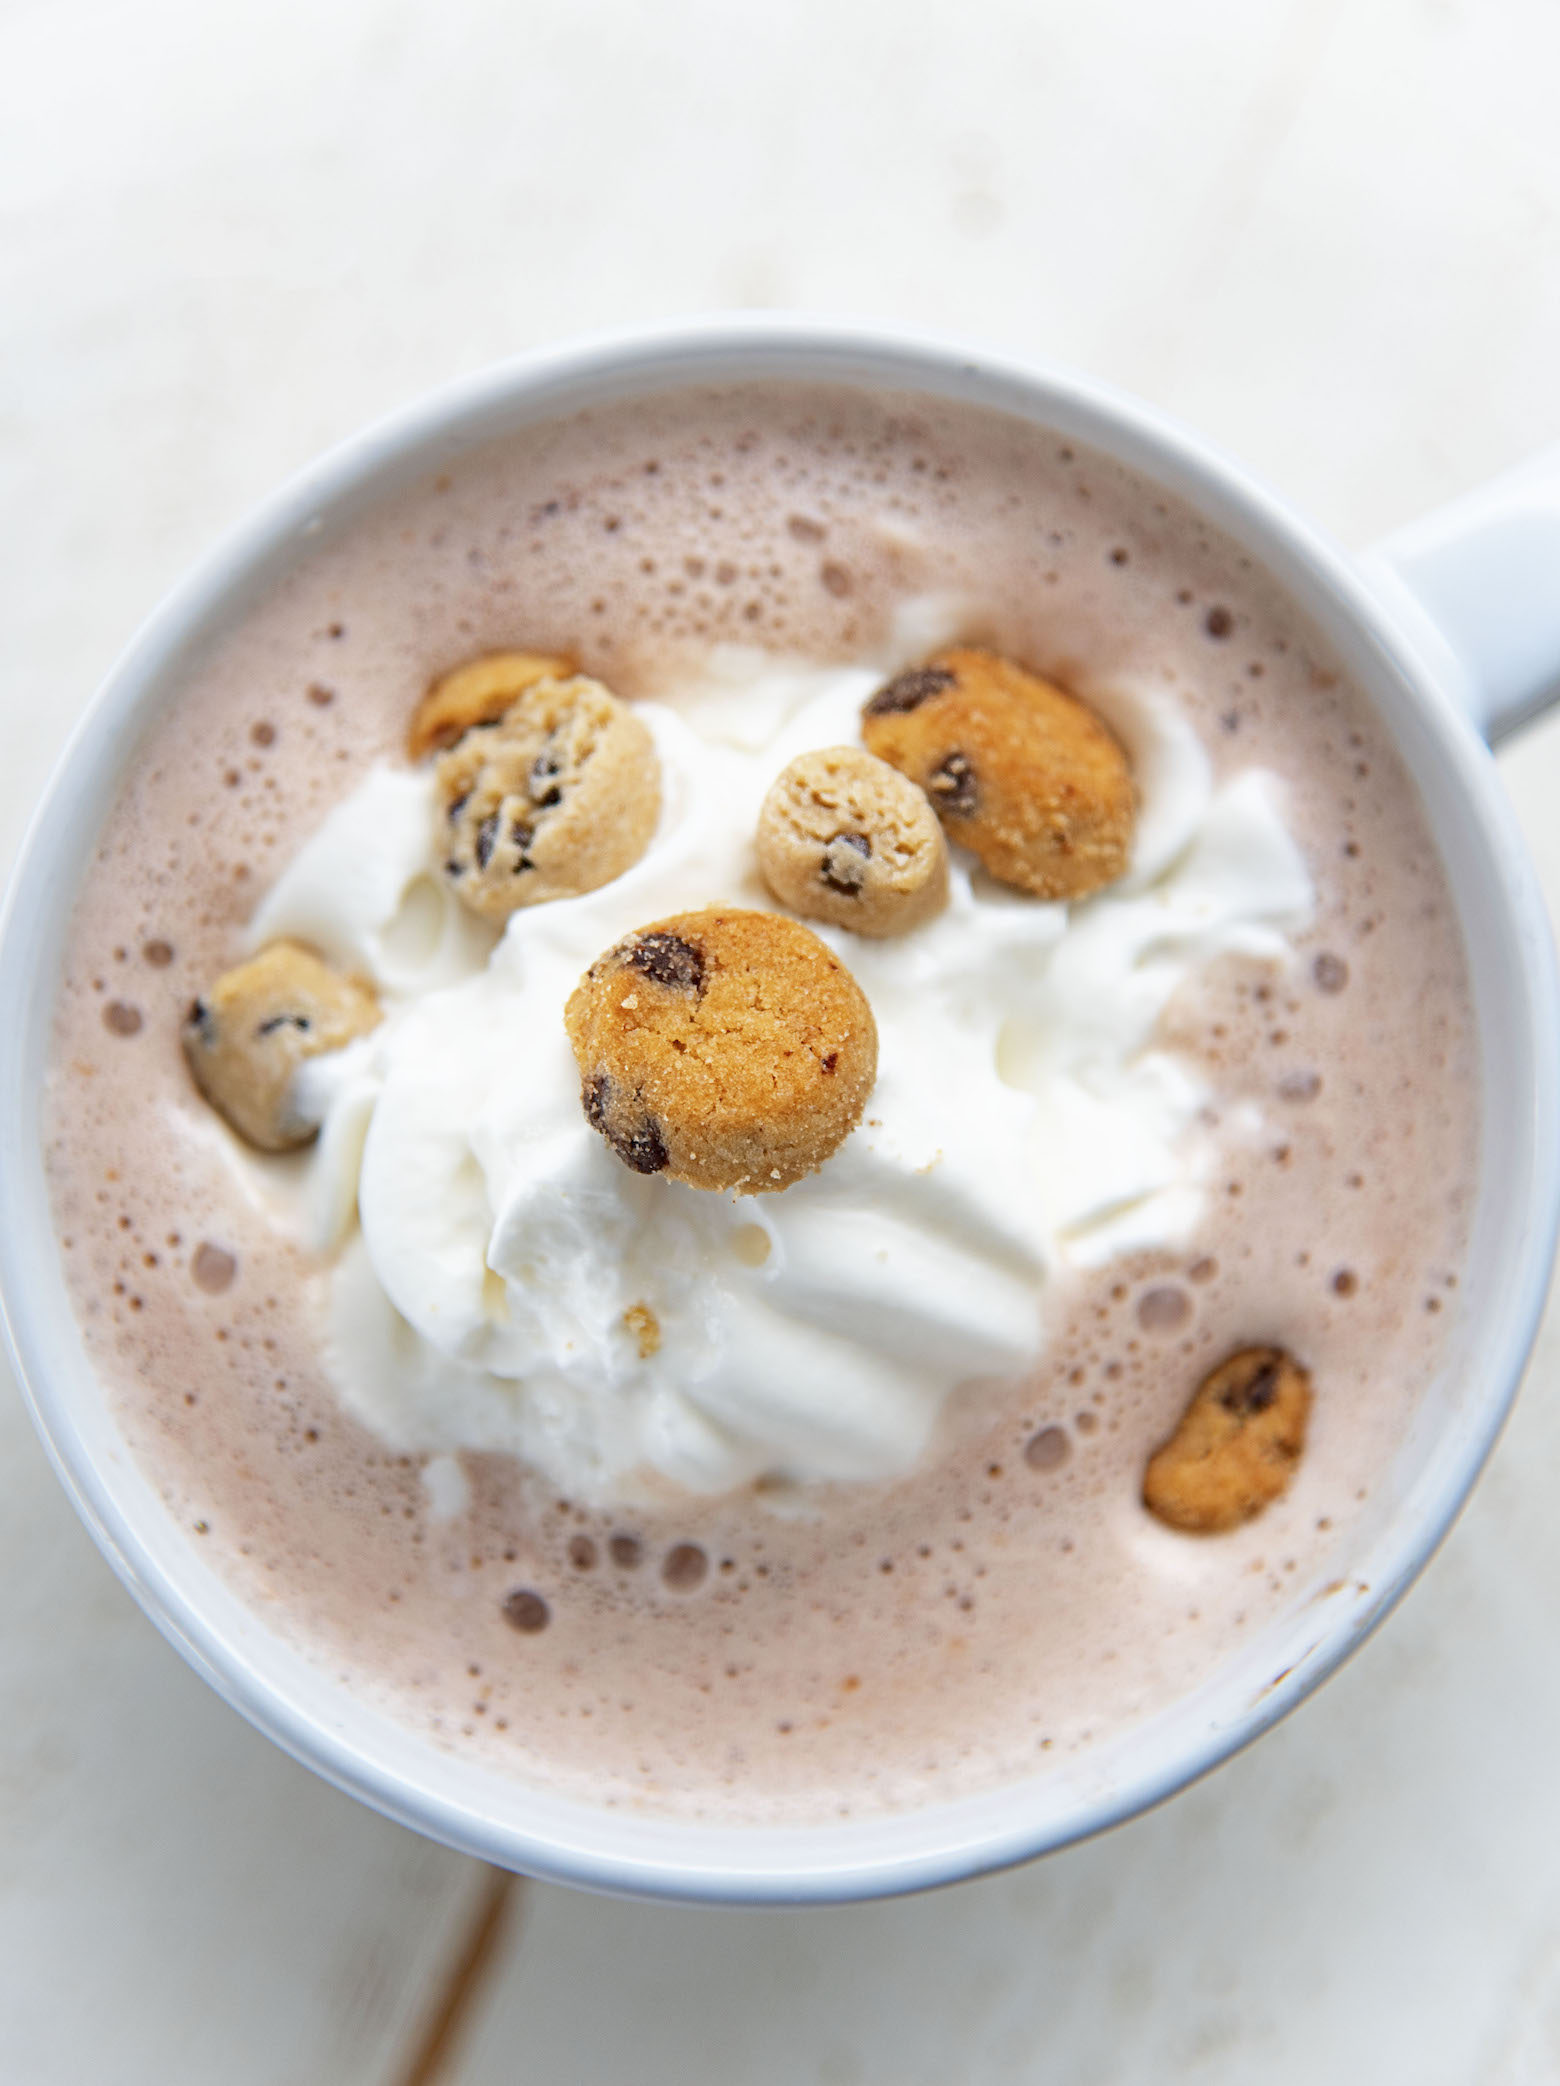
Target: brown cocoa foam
(1010,1601)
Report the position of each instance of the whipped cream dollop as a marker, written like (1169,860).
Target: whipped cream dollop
(501,1281)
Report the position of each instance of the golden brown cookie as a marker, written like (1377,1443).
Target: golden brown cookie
(559,796)
(728,1049)
(1025,775)
(844,837)
(475,694)
(1237,1447)
(247,1036)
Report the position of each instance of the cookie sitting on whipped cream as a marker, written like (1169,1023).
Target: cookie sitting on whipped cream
(1018,771)
(548,786)
(725,1048)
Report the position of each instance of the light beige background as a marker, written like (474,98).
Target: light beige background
(1326,230)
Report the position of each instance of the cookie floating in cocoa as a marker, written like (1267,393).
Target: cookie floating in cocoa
(245,1038)
(478,694)
(1020,772)
(844,837)
(727,1049)
(554,796)
(1238,1444)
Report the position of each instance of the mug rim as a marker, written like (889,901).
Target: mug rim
(776,1866)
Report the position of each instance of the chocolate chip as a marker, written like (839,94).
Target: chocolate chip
(1330,972)
(526,1611)
(1218,622)
(626,1551)
(596,1099)
(951,785)
(909,691)
(159,954)
(487,834)
(667,959)
(844,863)
(1254,1393)
(638,1142)
(641,1149)
(542,784)
(121,1019)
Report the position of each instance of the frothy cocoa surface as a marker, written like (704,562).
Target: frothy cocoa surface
(868,1646)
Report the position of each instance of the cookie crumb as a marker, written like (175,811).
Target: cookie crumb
(644,1328)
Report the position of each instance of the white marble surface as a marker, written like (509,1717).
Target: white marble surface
(1326,230)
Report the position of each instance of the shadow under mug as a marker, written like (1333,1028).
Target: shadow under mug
(1449,631)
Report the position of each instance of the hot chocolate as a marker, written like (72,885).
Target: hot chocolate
(789,1650)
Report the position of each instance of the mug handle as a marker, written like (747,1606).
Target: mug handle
(1476,586)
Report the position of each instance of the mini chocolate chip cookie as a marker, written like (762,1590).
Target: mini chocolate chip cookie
(725,1048)
(246,1037)
(844,837)
(1025,775)
(558,797)
(478,694)
(1238,1444)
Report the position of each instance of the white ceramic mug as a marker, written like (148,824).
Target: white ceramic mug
(1452,628)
